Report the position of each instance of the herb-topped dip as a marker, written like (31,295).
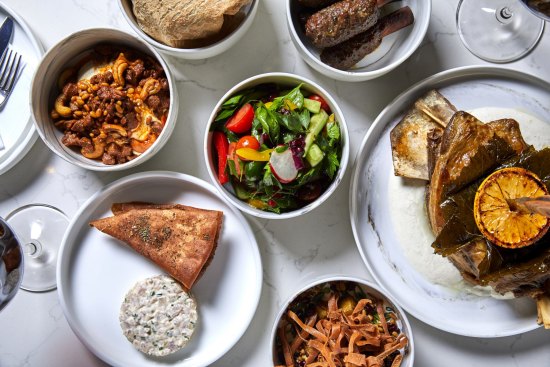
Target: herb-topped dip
(157,316)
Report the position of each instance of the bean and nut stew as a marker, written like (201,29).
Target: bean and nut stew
(118,112)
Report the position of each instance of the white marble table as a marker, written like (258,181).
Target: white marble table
(33,330)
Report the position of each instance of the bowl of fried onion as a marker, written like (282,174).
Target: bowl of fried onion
(345,320)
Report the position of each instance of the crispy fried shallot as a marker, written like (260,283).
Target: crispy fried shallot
(362,337)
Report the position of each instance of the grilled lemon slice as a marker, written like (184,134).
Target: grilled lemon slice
(495,213)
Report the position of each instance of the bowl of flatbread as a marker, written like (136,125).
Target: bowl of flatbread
(193,29)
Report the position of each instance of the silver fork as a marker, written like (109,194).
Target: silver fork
(9,70)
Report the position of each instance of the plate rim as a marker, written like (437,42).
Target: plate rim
(369,142)
(112,187)
(32,136)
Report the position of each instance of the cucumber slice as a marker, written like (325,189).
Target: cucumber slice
(312,105)
(241,192)
(315,155)
(316,124)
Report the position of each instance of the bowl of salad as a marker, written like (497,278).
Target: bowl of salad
(276,145)
(348,318)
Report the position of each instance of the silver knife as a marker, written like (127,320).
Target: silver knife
(5,34)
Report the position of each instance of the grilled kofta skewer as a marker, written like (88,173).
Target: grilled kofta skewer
(341,21)
(346,54)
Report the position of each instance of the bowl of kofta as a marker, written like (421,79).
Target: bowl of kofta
(104,100)
(356,40)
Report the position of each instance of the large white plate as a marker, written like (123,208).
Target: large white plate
(16,126)
(376,224)
(95,271)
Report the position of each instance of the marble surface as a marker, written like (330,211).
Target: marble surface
(33,330)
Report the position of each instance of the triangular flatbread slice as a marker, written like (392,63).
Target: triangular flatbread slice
(179,239)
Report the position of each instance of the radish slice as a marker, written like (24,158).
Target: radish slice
(283,166)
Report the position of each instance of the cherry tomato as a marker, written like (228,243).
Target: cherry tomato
(324,104)
(248,141)
(241,121)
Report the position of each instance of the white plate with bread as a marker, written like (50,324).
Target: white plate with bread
(95,272)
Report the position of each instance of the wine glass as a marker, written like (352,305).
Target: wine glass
(40,229)
(11,263)
(501,31)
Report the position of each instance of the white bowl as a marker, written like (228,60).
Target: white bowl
(394,49)
(198,52)
(290,80)
(370,289)
(44,90)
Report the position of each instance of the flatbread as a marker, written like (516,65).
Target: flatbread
(174,21)
(180,239)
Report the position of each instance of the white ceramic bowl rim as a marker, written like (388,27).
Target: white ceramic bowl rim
(341,277)
(292,79)
(350,73)
(235,33)
(65,152)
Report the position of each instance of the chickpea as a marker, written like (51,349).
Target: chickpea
(348,305)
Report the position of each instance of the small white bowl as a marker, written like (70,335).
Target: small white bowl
(44,90)
(394,50)
(371,290)
(198,52)
(290,80)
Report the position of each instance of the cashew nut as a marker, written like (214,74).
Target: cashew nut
(93,151)
(150,87)
(60,107)
(143,130)
(119,66)
(112,128)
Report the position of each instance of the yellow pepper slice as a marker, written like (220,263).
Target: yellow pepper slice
(250,154)
(268,104)
(256,203)
(290,105)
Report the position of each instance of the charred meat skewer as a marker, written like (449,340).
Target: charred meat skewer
(341,21)
(346,54)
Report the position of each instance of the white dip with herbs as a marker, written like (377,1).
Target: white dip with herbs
(157,316)
(408,207)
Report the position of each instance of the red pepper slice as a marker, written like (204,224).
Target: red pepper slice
(222,146)
(241,121)
(232,154)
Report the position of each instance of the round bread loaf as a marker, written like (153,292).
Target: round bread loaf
(173,22)
(157,316)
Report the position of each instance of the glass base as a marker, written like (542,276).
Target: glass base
(40,228)
(498,31)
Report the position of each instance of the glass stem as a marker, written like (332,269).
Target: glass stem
(33,249)
(504,15)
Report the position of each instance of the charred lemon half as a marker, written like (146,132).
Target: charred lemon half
(498,218)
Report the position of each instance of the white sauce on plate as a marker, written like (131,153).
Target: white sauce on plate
(408,207)
(157,316)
